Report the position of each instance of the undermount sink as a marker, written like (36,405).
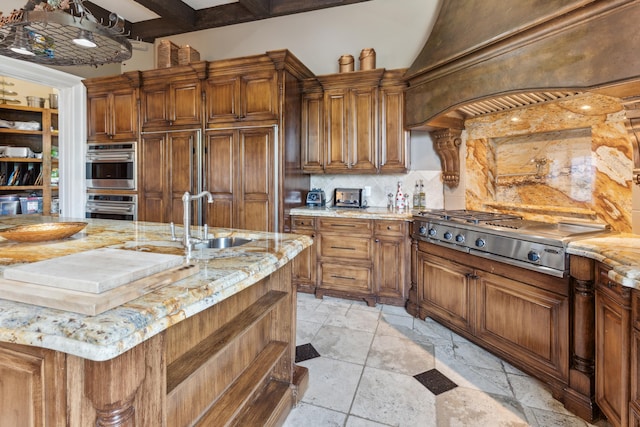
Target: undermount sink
(221,243)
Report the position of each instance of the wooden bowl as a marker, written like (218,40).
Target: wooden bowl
(42,232)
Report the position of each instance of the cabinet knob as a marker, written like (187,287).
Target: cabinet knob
(388,227)
(611,284)
(377,240)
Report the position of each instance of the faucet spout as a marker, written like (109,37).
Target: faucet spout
(186,204)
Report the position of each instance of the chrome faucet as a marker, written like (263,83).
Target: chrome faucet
(187,198)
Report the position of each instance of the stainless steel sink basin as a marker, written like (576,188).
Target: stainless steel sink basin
(221,243)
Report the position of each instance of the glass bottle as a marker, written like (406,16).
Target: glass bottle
(400,197)
(423,196)
(416,197)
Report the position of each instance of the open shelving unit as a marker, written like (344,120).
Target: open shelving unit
(38,141)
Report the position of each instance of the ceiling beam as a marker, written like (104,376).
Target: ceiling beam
(259,8)
(227,14)
(182,15)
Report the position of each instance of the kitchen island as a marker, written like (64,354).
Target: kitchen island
(219,343)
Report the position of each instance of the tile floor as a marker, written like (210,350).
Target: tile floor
(364,376)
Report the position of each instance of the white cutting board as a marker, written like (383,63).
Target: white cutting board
(93,271)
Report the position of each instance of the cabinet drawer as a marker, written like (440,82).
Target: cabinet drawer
(346,227)
(345,247)
(390,228)
(345,277)
(302,222)
(614,290)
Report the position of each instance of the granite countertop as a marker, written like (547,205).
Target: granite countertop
(621,252)
(371,212)
(223,272)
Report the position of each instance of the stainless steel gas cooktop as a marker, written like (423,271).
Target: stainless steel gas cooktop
(534,245)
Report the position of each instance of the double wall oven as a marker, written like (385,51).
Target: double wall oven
(110,171)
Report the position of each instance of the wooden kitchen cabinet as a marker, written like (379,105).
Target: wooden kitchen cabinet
(345,255)
(172,97)
(304,266)
(523,318)
(351,121)
(241,90)
(357,124)
(394,153)
(30,387)
(354,258)
(613,334)
(634,407)
(168,170)
(391,261)
(240,174)
(112,107)
(312,127)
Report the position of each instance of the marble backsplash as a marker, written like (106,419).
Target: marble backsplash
(381,185)
(568,159)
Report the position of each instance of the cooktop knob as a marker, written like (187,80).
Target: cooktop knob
(422,230)
(432,232)
(480,243)
(460,238)
(448,235)
(533,256)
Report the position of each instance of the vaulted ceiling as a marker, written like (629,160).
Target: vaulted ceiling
(163,18)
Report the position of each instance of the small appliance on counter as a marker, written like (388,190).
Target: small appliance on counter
(316,198)
(348,198)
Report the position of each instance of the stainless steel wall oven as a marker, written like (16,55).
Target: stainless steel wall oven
(112,206)
(111,166)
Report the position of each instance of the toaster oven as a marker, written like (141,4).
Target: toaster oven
(348,198)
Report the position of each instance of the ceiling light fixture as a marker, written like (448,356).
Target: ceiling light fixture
(85,39)
(52,31)
(21,42)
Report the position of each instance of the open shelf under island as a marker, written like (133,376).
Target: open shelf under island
(219,343)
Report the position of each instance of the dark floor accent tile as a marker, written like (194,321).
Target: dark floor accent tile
(435,381)
(305,352)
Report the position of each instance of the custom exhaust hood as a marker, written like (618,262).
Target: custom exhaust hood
(487,56)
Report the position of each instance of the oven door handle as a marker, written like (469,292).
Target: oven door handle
(110,208)
(110,157)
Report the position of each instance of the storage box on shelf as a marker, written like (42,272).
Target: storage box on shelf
(25,164)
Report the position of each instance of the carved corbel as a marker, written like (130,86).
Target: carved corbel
(632,110)
(447,144)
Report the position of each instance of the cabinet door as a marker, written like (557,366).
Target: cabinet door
(304,266)
(524,322)
(391,261)
(255,174)
(259,95)
(155,107)
(612,356)
(241,97)
(312,133)
(336,130)
(220,155)
(172,105)
(445,291)
(363,126)
(152,178)
(112,116)
(394,149)
(167,170)
(33,387)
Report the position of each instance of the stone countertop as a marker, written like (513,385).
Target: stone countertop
(621,252)
(223,272)
(371,212)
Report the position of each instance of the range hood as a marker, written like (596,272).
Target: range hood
(486,56)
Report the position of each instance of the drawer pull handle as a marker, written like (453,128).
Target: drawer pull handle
(342,247)
(611,284)
(471,276)
(342,277)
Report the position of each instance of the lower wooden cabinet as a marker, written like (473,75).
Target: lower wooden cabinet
(30,386)
(354,258)
(522,316)
(613,328)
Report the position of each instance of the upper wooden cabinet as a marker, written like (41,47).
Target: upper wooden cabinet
(241,90)
(112,107)
(357,124)
(172,97)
